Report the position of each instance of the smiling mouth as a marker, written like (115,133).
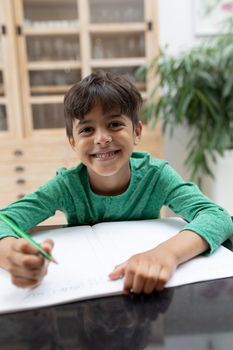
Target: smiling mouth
(105,155)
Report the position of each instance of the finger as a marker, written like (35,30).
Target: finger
(151,280)
(25,247)
(27,261)
(28,276)
(47,245)
(24,282)
(129,277)
(29,273)
(162,280)
(140,278)
(22,246)
(33,262)
(118,272)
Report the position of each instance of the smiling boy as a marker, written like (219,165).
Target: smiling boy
(113,183)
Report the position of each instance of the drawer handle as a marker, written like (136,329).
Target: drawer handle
(20,181)
(18,152)
(19,169)
(3,29)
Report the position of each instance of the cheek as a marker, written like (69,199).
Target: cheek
(81,145)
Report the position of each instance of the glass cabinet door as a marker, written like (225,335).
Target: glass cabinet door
(50,29)
(59,42)
(117,31)
(10,107)
(112,11)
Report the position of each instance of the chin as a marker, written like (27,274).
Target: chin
(106,173)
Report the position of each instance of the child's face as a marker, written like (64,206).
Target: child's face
(104,143)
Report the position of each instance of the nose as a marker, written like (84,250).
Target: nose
(102,138)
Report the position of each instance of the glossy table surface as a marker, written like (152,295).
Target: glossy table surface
(197,316)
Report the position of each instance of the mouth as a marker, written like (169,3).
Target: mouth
(105,155)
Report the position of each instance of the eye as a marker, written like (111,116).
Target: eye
(86,131)
(115,125)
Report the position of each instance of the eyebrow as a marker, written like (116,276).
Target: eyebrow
(117,115)
(108,116)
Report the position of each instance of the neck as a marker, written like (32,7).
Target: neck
(110,185)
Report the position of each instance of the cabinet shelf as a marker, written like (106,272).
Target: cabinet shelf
(118,62)
(51,89)
(51,65)
(46,99)
(35,31)
(117,27)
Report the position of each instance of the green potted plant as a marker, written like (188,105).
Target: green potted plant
(195,89)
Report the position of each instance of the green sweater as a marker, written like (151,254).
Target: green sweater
(153,184)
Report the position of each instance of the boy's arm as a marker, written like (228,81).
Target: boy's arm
(150,270)
(186,245)
(206,218)
(35,207)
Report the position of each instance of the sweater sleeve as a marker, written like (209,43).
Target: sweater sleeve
(204,217)
(34,207)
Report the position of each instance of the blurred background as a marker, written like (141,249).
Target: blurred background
(48,45)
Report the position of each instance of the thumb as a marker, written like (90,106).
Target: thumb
(118,272)
(48,245)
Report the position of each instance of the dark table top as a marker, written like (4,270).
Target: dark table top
(197,316)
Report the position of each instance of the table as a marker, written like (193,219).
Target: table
(197,316)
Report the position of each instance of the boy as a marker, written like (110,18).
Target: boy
(113,183)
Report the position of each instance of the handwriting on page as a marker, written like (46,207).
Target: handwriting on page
(84,285)
(83,271)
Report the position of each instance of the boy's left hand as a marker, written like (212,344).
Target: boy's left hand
(148,271)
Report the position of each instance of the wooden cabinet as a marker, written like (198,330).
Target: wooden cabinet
(45,47)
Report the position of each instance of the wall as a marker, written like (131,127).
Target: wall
(176,29)
(176,24)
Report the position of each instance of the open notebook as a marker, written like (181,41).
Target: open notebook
(86,255)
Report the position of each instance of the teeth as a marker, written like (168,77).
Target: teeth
(105,155)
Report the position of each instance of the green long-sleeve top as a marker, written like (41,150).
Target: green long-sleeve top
(153,184)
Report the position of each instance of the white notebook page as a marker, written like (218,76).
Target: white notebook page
(87,255)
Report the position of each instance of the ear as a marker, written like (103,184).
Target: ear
(137,133)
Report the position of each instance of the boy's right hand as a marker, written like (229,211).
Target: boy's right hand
(23,261)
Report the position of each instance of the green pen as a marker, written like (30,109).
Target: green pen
(22,234)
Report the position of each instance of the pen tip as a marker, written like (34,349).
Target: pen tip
(53,260)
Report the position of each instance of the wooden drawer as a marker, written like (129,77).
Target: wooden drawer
(36,151)
(20,186)
(29,169)
(20,178)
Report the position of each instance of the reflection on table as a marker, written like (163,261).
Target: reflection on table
(198,316)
